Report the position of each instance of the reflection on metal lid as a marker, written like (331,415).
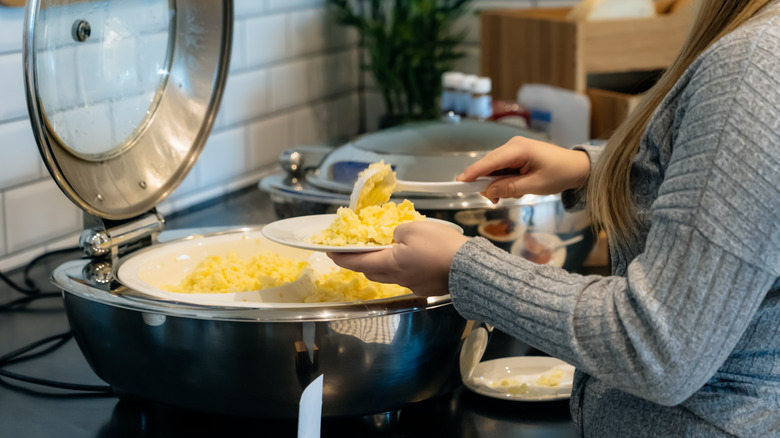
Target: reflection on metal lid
(427,151)
(468,137)
(122,94)
(99,87)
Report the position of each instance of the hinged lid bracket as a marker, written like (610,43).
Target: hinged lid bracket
(112,239)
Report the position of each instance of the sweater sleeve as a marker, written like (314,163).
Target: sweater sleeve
(711,254)
(575,199)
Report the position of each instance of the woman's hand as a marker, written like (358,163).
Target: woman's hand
(420,260)
(530,166)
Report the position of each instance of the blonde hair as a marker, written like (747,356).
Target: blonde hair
(609,196)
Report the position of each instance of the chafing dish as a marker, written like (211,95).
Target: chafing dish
(122,95)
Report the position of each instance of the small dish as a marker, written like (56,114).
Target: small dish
(518,378)
(502,230)
(549,240)
(470,217)
(297,231)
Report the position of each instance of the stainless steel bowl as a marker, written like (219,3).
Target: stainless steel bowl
(377,356)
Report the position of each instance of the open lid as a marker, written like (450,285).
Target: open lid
(123,94)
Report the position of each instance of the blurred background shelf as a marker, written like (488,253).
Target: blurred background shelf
(542,46)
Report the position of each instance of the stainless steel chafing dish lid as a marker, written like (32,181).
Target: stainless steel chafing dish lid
(424,151)
(122,94)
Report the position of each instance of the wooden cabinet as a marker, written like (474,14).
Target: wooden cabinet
(541,46)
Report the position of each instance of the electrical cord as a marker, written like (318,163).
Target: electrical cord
(21,355)
(32,291)
(16,287)
(51,343)
(21,302)
(26,273)
(17,355)
(33,288)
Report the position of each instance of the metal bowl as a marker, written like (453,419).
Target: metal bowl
(377,356)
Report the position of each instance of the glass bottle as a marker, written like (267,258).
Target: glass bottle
(480,102)
(450,82)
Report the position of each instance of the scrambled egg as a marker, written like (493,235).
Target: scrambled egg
(216,274)
(375,190)
(553,378)
(346,285)
(374,218)
(373,225)
(513,385)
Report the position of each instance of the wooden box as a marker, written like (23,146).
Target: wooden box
(522,46)
(609,109)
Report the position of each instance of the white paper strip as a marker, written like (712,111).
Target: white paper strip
(310,410)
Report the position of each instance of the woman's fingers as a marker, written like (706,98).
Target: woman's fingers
(530,166)
(374,262)
(509,187)
(420,260)
(511,155)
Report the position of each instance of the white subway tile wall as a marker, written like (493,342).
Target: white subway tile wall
(307,31)
(225,153)
(246,8)
(294,79)
(11,24)
(265,40)
(12,100)
(237,54)
(289,84)
(37,213)
(267,139)
(17,141)
(246,96)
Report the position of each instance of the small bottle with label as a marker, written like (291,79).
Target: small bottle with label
(480,102)
(450,82)
(463,100)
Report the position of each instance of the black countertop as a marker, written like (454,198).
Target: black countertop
(28,410)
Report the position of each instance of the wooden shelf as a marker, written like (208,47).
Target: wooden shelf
(542,46)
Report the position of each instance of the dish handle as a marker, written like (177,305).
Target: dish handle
(474,347)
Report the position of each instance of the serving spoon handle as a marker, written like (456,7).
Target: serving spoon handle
(479,185)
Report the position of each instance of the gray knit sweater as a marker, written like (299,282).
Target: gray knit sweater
(684,338)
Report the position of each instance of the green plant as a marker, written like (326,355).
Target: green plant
(409,44)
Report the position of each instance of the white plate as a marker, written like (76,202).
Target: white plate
(152,271)
(521,370)
(297,231)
